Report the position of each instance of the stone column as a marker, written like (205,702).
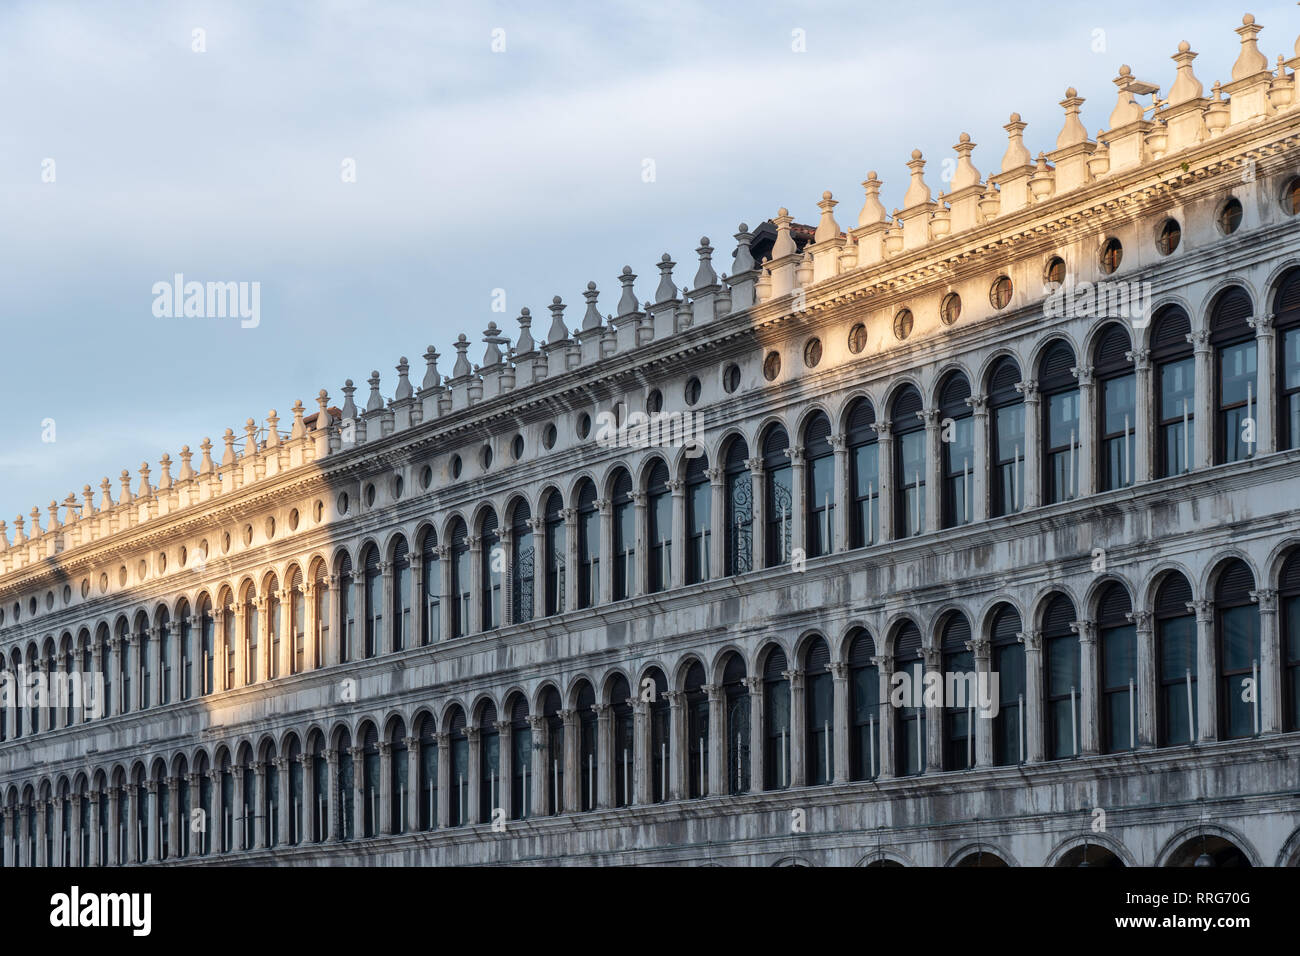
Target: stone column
(757,720)
(572,745)
(95,825)
(384,819)
(473,789)
(287,634)
(260,825)
(677,750)
(605,779)
(263,637)
(11,843)
(884,722)
(115,651)
(1089,681)
(605,594)
(475,624)
(840,744)
(933,715)
(1207,709)
(155,667)
(539,803)
(1033,445)
(677,547)
(1265,365)
(241,670)
(285,798)
(1033,642)
(444,605)
(412,796)
(1144,432)
(196,803)
(717,522)
(884,479)
(980,452)
(332,829)
(152,822)
(640,583)
(174,817)
(1146,686)
(1269,691)
(306,819)
(137,683)
(132,823)
(42,809)
(444,779)
(386,639)
(570,516)
(310,625)
(798,501)
(840,525)
(506,609)
(983,729)
(1086,464)
(933,468)
(758,510)
(62,857)
(358,791)
(114,809)
(717,785)
(798,732)
(505,769)
(1203,446)
(642,755)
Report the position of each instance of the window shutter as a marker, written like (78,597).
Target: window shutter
(734,672)
(819,657)
(658,481)
(737,452)
(953,395)
(817,437)
(623,487)
(1169,334)
(774,446)
(1289,580)
(1054,369)
(862,650)
(1058,617)
(695,676)
(1173,595)
(1112,346)
(1230,315)
(1235,583)
(487,717)
(956,633)
(1002,382)
(861,418)
(401,552)
(775,665)
(1114,606)
(906,404)
(908,643)
(1006,625)
(1287,303)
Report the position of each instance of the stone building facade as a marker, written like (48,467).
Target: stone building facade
(1043,430)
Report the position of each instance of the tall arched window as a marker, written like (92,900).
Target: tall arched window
(1061,675)
(740,509)
(489,762)
(269,811)
(373,612)
(1286,323)
(660,516)
(1116,409)
(459,770)
(909,463)
(460,593)
(228,810)
(737,711)
(587,756)
(229,638)
(274,626)
(1176,654)
(778,498)
(431,586)
(959,714)
(105,658)
(624,740)
(144,661)
(660,733)
(554,766)
(204,797)
(864,474)
(776,719)
(297,622)
(295,808)
(819,486)
(401,595)
(521,760)
(1006,439)
(697,732)
(523,570)
(910,721)
(165,664)
(321,597)
(819,714)
(1008,662)
(1175,391)
(251,671)
(1289,615)
(347,611)
(428,773)
(1236,393)
(207,647)
(1060,423)
(699,522)
(624,557)
(957,448)
(555,553)
(1238,652)
(185,652)
(491,571)
(345,796)
(864,707)
(1117,637)
(588,545)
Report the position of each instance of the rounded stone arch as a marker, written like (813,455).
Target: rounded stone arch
(481,700)
(679,461)
(363,549)
(537,700)
(480,512)
(179,764)
(513,500)
(886,857)
(1157,577)
(806,414)
(222,756)
(989,611)
(337,733)
(287,737)
(1142,333)
(804,641)
(81,782)
(716,667)
(1272,565)
(201,755)
(272,580)
(932,636)
(548,489)
(605,689)
(449,524)
(390,544)
(1041,346)
(449,708)
(980,385)
(950,367)
(66,643)
(336,559)
(1088,608)
(720,448)
(802,861)
(45,789)
(641,477)
(576,481)
(1170,851)
(608,477)
(570,696)
(897,385)
(848,633)
(423,714)
(364,725)
(385,724)
(245,586)
(1098,330)
(982,848)
(765,649)
(677,678)
(508,696)
(647,671)
(1043,597)
(1201,317)
(765,424)
(266,749)
(314,732)
(1289,855)
(896,622)
(840,423)
(1273,283)
(421,530)
(1103,840)
(1220,559)
(64,786)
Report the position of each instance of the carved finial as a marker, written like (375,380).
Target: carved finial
(403,380)
(88,501)
(872,209)
(298,430)
(349,409)
(272,429)
(494,339)
(250,437)
(375,402)
(124,480)
(323,417)
(1186,85)
(1073,132)
(704,275)
(187,471)
(1016,155)
(19,537)
(627,298)
(965,174)
(591,318)
(228,458)
(53,523)
(827,228)
(165,472)
(206,467)
(784,244)
(146,490)
(525,345)
(431,379)
(36,531)
(743,261)
(917,191)
(559,331)
(1250,61)
(1127,109)
(667,291)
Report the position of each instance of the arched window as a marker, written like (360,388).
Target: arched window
(428,773)
(959,713)
(1289,613)
(274,627)
(1176,654)
(699,522)
(1060,423)
(864,706)
(819,486)
(431,586)
(660,516)
(489,762)
(1175,391)
(460,593)
(1238,652)
(910,726)
(269,811)
(1286,309)
(697,732)
(398,766)
(373,613)
(624,741)
(491,570)
(295,809)
(228,811)
(737,711)
(909,463)
(554,750)
(250,635)
(624,558)
(523,571)
(660,736)
(1008,662)
(1236,395)
(555,553)
(207,648)
(1006,439)
(1061,673)
(459,770)
(1117,637)
(740,509)
(587,758)
(777,498)
(229,637)
(776,719)
(1116,409)
(105,659)
(588,545)
(521,760)
(347,611)
(297,622)
(144,662)
(344,798)
(204,797)
(957,448)
(819,714)
(165,664)
(864,474)
(401,595)
(184,651)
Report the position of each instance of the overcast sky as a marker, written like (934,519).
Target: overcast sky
(519,169)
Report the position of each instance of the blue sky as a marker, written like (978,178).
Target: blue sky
(475,170)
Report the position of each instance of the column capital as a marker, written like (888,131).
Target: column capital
(1029,389)
(675,485)
(358,753)
(472,734)
(837,442)
(443,739)
(1199,339)
(795,454)
(473,541)
(715,475)
(638,498)
(1087,631)
(674,697)
(979,646)
(536,724)
(602,711)
(1262,324)
(754,684)
(1204,611)
(306,760)
(1084,374)
(979,404)
(411,742)
(568,514)
(1142,620)
(930,416)
(839,670)
(1033,640)
(151,786)
(1141,358)
(503,726)
(883,429)
(567,715)
(795,677)
(1266,598)
(755,465)
(884,662)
